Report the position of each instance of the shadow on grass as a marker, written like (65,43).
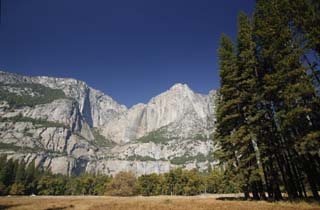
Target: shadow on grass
(59,208)
(306,200)
(231,198)
(3,207)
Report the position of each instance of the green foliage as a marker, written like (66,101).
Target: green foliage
(17,189)
(101,183)
(7,173)
(140,158)
(201,137)
(158,137)
(187,158)
(100,140)
(43,95)
(6,146)
(12,147)
(192,183)
(17,178)
(38,122)
(150,184)
(3,189)
(21,172)
(268,117)
(87,184)
(218,182)
(51,185)
(183,182)
(31,177)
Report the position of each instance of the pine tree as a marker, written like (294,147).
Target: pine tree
(248,85)
(31,177)
(305,16)
(273,38)
(268,112)
(229,117)
(21,173)
(289,98)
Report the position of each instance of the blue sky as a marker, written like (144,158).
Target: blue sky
(130,49)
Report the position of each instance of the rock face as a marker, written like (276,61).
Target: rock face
(68,127)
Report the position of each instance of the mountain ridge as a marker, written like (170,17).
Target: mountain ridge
(99,131)
(175,85)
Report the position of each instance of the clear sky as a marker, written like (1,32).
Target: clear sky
(131,50)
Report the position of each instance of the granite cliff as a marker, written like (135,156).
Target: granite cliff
(68,127)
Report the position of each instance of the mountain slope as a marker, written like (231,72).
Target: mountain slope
(69,127)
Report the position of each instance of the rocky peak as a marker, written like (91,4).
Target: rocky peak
(180,86)
(177,109)
(86,130)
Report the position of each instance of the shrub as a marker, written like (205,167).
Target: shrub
(3,189)
(149,184)
(17,189)
(123,184)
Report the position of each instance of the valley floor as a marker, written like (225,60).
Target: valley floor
(208,202)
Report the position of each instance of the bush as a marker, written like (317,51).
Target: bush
(123,184)
(149,184)
(17,189)
(184,182)
(218,182)
(3,189)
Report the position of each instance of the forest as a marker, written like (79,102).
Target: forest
(17,178)
(268,111)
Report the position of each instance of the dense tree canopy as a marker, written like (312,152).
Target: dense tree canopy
(42,182)
(268,111)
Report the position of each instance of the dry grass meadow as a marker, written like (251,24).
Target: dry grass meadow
(209,202)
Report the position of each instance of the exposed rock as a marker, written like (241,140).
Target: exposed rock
(171,130)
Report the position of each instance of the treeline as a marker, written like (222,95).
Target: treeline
(42,94)
(268,112)
(17,178)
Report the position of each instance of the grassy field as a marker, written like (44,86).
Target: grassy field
(144,203)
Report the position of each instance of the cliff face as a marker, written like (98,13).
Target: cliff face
(69,127)
(179,110)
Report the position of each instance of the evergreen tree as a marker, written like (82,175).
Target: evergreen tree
(229,117)
(289,97)
(248,87)
(6,173)
(101,183)
(31,178)
(20,174)
(268,112)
